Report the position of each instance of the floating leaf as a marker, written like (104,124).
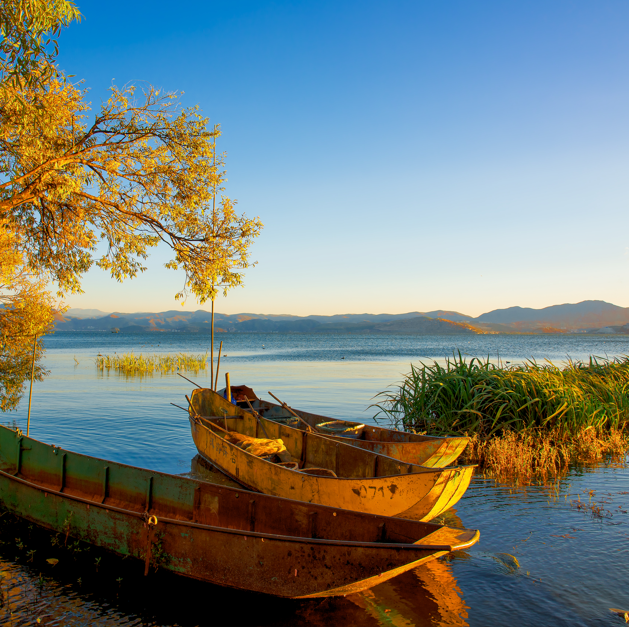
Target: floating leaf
(53,561)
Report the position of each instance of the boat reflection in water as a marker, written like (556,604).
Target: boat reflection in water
(426,596)
(28,599)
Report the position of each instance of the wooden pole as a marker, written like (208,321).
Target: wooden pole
(180,407)
(30,395)
(288,409)
(186,378)
(228,389)
(213,227)
(218,365)
(192,410)
(257,417)
(212,348)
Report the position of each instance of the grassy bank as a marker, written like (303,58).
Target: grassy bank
(132,364)
(527,420)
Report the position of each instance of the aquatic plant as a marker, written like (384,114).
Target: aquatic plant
(535,454)
(480,397)
(525,420)
(132,364)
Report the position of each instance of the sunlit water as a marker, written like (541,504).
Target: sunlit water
(569,542)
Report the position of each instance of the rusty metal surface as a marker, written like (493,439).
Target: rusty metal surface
(212,532)
(424,450)
(364,482)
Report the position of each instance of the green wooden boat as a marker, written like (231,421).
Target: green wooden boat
(211,532)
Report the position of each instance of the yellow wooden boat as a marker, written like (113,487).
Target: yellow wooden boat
(322,470)
(425,450)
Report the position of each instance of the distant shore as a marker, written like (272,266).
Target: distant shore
(590,317)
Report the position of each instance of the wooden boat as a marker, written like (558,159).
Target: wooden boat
(212,532)
(323,470)
(425,450)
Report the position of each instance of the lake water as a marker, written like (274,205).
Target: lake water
(547,556)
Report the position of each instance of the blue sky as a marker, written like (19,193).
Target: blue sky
(403,156)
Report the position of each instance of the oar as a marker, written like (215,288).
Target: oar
(287,408)
(256,415)
(193,383)
(235,417)
(192,409)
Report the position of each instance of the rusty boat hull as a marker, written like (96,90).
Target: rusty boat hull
(326,471)
(411,448)
(211,532)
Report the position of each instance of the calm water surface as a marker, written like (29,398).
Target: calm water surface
(547,556)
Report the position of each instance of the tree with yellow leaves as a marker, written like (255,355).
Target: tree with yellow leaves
(142,172)
(26,313)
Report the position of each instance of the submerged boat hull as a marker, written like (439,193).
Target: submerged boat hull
(213,533)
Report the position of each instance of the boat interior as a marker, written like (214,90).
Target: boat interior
(272,411)
(308,452)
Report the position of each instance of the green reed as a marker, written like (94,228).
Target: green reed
(132,364)
(481,398)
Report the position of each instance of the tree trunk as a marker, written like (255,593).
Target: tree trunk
(212,350)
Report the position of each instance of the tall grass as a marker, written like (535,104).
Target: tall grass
(132,364)
(555,414)
(480,397)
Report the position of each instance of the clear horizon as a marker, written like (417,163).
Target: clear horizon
(402,156)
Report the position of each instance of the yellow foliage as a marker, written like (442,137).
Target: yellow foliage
(28,32)
(26,310)
(141,173)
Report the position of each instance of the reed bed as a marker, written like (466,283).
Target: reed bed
(132,364)
(526,420)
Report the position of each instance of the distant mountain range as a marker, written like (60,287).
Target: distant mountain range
(592,316)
